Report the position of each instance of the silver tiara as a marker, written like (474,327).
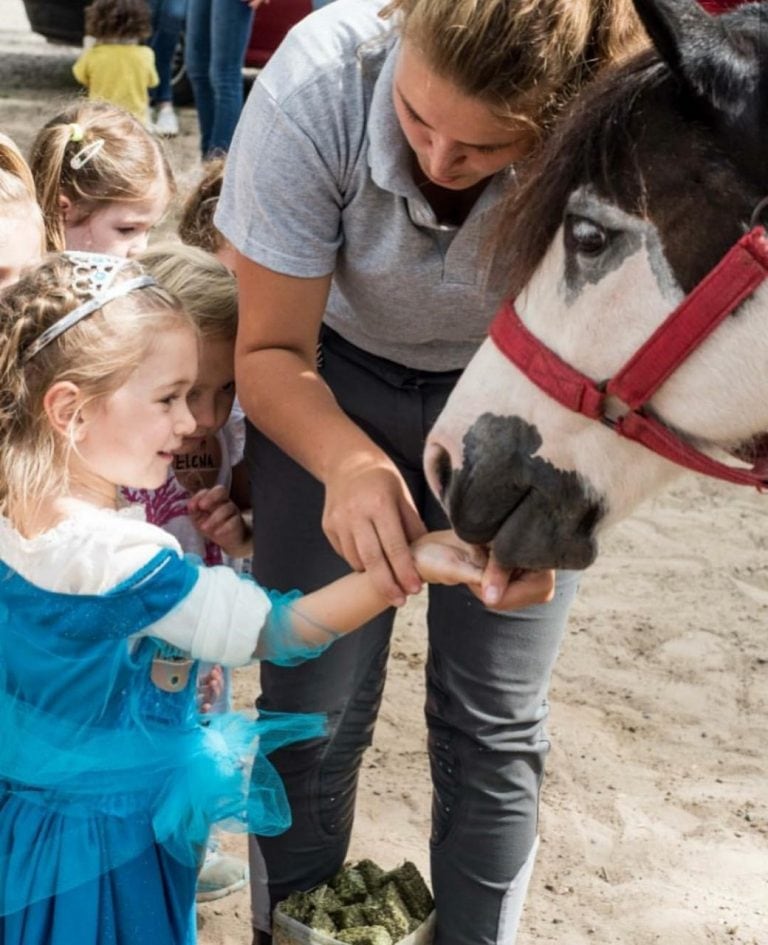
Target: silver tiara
(93,278)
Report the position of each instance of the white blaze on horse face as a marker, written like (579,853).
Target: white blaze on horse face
(593,312)
(594,309)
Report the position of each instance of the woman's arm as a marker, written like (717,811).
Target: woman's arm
(369,515)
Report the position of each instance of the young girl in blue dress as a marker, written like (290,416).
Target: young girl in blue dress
(108,783)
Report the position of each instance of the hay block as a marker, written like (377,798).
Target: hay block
(349,886)
(320,921)
(323,897)
(298,906)
(390,911)
(365,935)
(413,890)
(349,916)
(372,874)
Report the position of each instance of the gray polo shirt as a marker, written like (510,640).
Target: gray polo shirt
(319,180)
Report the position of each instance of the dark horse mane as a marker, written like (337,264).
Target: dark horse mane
(628,134)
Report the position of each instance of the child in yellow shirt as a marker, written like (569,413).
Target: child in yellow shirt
(117,67)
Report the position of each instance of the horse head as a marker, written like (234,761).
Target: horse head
(657,171)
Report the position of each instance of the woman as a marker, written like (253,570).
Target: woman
(216,40)
(362,183)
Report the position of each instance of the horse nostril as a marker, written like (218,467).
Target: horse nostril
(442,466)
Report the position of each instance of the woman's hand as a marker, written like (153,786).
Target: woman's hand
(370,520)
(511,589)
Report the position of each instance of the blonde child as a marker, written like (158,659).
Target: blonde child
(21,223)
(117,67)
(200,501)
(108,784)
(102,180)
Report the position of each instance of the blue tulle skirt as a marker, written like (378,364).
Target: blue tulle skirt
(111,782)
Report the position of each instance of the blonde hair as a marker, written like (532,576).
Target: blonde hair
(97,354)
(196,225)
(523,58)
(123,167)
(17,188)
(206,289)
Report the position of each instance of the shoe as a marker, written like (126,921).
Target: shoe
(166,123)
(220,876)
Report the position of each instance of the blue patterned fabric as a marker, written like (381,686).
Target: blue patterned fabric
(109,784)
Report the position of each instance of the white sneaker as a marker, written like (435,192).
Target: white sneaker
(166,122)
(220,875)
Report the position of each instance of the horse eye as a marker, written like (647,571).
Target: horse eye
(584,236)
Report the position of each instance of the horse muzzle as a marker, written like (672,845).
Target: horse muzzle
(498,493)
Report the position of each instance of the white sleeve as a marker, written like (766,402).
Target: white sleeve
(219,621)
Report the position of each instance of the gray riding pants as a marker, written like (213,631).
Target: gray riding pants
(487,676)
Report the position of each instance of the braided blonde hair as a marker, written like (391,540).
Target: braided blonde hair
(97,355)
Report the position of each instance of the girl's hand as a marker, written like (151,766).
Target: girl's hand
(370,520)
(209,689)
(443,558)
(217,517)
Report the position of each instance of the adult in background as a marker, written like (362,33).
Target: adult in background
(216,40)
(168,20)
(361,186)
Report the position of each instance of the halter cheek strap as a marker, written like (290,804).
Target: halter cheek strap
(721,291)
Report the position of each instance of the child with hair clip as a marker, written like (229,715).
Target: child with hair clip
(22,235)
(108,783)
(202,498)
(102,180)
(117,67)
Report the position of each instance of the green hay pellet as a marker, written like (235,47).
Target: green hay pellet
(349,916)
(365,935)
(297,906)
(349,886)
(372,874)
(324,898)
(320,921)
(390,911)
(413,890)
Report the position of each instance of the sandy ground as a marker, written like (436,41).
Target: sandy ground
(655,811)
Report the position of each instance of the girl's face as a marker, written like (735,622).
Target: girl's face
(210,400)
(129,437)
(21,243)
(457,139)
(120,227)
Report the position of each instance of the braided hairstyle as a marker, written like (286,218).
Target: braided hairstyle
(97,355)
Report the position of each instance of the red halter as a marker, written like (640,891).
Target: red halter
(723,289)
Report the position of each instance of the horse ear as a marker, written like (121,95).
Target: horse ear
(716,61)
